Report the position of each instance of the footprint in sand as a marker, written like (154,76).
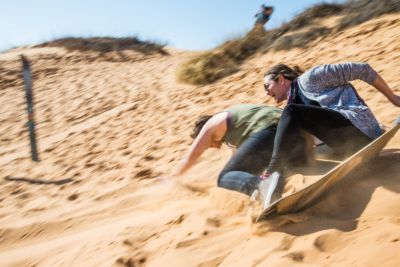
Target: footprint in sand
(144,173)
(329,242)
(285,244)
(135,261)
(215,222)
(297,256)
(190,241)
(73,197)
(178,221)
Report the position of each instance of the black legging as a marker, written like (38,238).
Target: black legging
(251,159)
(328,125)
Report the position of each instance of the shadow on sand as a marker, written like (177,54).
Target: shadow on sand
(342,206)
(38,181)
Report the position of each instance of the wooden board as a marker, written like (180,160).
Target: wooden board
(305,197)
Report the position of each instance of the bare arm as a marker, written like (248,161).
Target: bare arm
(213,130)
(382,87)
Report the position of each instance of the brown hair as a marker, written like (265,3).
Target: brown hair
(287,72)
(198,125)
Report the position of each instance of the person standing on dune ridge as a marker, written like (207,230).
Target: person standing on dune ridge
(263,15)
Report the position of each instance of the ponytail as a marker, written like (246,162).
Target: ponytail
(287,72)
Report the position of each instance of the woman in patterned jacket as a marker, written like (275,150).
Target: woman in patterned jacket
(322,102)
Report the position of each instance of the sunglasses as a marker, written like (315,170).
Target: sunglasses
(266,89)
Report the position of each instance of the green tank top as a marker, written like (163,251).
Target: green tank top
(246,119)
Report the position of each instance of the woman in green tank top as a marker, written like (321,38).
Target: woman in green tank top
(249,129)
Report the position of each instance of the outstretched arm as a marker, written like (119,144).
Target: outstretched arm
(213,130)
(380,84)
(332,75)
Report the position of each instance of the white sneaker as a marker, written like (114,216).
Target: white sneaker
(255,195)
(267,187)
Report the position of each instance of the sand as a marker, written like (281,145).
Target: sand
(111,130)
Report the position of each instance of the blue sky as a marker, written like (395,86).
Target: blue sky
(184,24)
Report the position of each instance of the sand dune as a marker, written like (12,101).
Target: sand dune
(111,131)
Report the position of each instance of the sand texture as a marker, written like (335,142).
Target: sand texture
(110,131)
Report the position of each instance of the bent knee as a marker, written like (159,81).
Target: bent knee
(220,178)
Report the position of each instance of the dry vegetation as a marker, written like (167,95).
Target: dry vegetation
(299,32)
(104,45)
(222,61)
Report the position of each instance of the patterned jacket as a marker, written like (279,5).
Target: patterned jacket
(329,86)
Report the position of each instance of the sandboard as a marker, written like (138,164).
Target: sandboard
(305,197)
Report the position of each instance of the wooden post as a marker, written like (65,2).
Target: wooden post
(26,71)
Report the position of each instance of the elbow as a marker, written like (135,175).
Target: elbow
(370,74)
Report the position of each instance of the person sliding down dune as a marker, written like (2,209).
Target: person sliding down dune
(322,102)
(249,130)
